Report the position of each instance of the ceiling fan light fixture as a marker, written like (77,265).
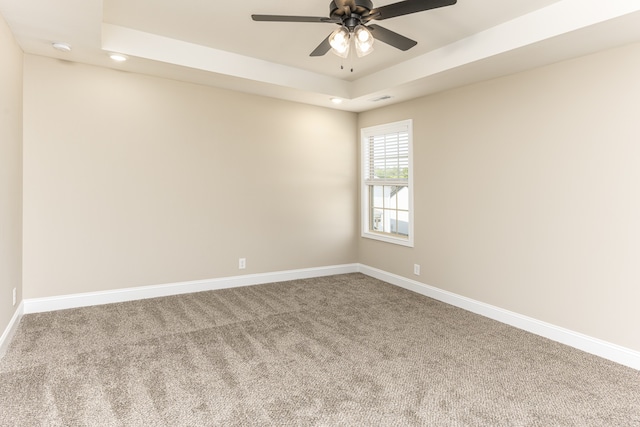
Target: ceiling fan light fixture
(340,40)
(364,40)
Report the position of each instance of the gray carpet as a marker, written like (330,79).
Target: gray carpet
(343,350)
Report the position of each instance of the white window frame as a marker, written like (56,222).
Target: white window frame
(367,183)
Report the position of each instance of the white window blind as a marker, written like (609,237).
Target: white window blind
(388,159)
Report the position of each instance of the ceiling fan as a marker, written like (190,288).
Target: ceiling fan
(353,17)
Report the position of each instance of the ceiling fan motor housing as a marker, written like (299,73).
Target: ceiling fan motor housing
(338,8)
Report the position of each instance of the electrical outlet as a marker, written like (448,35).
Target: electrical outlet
(15,295)
(242,263)
(416,269)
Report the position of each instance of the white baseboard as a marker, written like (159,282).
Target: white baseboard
(595,346)
(38,305)
(10,330)
(604,349)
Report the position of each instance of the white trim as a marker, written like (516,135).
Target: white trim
(38,305)
(11,329)
(607,350)
(604,349)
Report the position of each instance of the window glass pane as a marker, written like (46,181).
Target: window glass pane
(402,197)
(391,223)
(389,197)
(403,223)
(377,196)
(377,220)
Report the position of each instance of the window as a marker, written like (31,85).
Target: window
(387,193)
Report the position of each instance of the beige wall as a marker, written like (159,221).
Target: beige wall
(10,173)
(527,194)
(526,187)
(132,180)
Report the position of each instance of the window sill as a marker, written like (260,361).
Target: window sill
(388,239)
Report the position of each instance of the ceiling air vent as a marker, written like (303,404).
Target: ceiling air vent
(382,98)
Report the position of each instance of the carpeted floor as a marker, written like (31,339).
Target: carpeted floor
(343,350)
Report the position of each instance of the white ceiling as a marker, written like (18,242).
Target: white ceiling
(217,43)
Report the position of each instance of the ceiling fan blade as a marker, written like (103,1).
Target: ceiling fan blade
(405,7)
(285,18)
(391,37)
(322,48)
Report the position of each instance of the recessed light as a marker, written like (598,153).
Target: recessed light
(336,100)
(118,57)
(62,47)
